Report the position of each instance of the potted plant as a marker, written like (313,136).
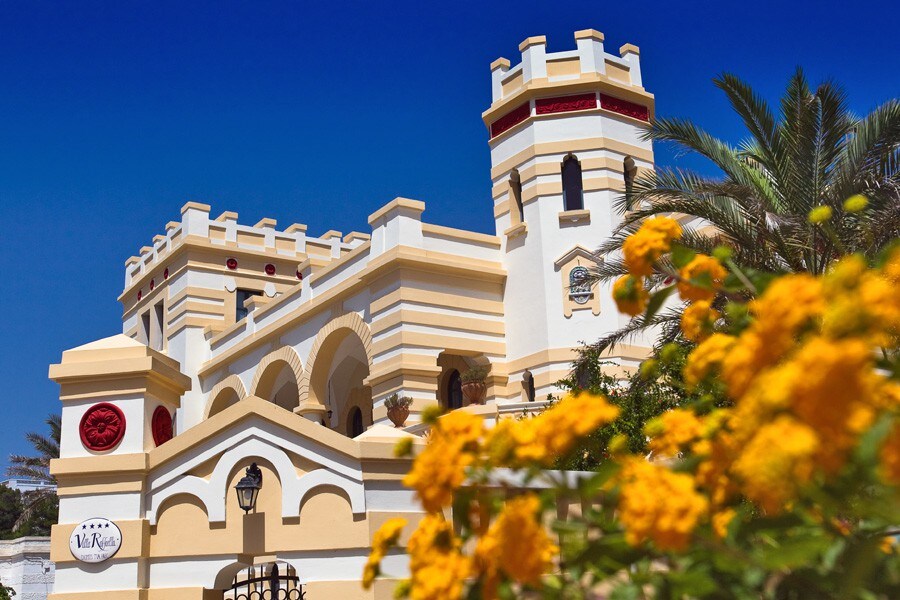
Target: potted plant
(473,387)
(398,409)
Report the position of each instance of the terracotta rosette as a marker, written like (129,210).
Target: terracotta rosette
(102,427)
(161,425)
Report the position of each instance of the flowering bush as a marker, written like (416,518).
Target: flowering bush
(777,477)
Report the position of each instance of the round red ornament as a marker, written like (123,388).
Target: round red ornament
(161,425)
(299,275)
(102,427)
(152,284)
(140,295)
(231,263)
(270,269)
(166,273)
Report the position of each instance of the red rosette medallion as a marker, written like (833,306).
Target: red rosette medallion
(102,427)
(161,425)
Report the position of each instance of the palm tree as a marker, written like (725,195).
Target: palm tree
(814,152)
(37,468)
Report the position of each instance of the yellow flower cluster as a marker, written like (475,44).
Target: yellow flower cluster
(553,433)
(516,544)
(700,278)
(659,504)
(698,319)
(441,468)
(386,536)
(652,240)
(630,295)
(777,462)
(673,431)
(803,380)
(708,357)
(437,567)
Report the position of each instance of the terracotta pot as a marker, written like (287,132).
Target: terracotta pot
(474,392)
(398,415)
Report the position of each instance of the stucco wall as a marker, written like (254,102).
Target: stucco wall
(26,568)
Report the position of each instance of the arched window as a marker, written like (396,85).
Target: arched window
(573,189)
(516,209)
(454,391)
(355,423)
(630,173)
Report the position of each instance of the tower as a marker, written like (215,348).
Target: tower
(565,138)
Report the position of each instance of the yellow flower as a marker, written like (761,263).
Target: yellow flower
(630,295)
(820,214)
(717,456)
(834,392)
(707,356)
(791,304)
(721,520)
(856,203)
(659,505)
(441,468)
(654,238)
(697,320)
(551,434)
(673,430)
(891,267)
(516,544)
(700,269)
(384,538)
(776,462)
(890,456)
(437,567)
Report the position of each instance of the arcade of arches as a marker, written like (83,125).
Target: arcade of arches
(334,384)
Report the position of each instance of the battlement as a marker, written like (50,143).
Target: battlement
(292,243)
(588,59)
(585,78)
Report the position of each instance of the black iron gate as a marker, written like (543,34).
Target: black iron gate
(272,581)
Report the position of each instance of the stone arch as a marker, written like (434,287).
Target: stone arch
(271,366)
(223,393)
(351,321)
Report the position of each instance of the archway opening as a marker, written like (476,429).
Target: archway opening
(278,384)
(225,398)
(337,382)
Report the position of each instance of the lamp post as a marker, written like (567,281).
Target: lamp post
(248,488)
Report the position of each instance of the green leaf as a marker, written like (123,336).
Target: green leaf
(681,255)
(656,302)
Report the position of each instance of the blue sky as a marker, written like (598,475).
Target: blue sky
(113,114)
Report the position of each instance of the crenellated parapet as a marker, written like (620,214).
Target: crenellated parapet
(224,231)
(545,83)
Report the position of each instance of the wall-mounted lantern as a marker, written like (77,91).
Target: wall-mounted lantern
(248,488)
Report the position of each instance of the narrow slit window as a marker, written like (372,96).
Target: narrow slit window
(516,209)
(630,171)
(573,187)
(159,339)
(145,328)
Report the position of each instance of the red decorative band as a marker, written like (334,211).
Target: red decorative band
(102,427)
(624,107)
(161,425)
(546,106)
(510,119)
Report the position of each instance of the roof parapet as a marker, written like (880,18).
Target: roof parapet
(538,67)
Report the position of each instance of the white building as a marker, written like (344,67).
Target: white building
(257,344)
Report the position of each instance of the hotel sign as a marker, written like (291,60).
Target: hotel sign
(95,540)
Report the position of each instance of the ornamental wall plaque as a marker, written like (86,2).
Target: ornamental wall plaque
(95,540)
(161,425)
(102,427)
